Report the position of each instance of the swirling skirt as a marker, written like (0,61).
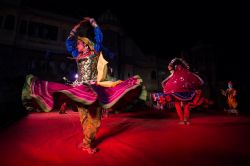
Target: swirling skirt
(41,95)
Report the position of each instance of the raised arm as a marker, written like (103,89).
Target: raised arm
(72,38)
(71,41)
(98,34)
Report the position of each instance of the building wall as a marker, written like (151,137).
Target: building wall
(33,42)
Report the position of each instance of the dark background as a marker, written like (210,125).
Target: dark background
(163,28)
(177,25)
(166,29)
(158,26)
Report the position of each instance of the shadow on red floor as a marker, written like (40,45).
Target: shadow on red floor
(140,138)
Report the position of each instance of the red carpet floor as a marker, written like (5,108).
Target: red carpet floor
(141,138)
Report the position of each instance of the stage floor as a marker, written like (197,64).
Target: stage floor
(139,138)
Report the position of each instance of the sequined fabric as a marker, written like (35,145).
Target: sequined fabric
(87,70)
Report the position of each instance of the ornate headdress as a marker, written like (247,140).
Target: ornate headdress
(182,61)
(87,41)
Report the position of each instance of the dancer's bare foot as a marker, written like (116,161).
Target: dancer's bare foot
(90,150)
(181,122)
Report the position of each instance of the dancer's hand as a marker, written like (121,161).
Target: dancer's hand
(90,20)
(86,19)
(223,92)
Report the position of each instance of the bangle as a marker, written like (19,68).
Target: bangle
(94,25)
(91,20)
(72,33)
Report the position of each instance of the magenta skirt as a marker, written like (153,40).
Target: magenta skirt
(41,95)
